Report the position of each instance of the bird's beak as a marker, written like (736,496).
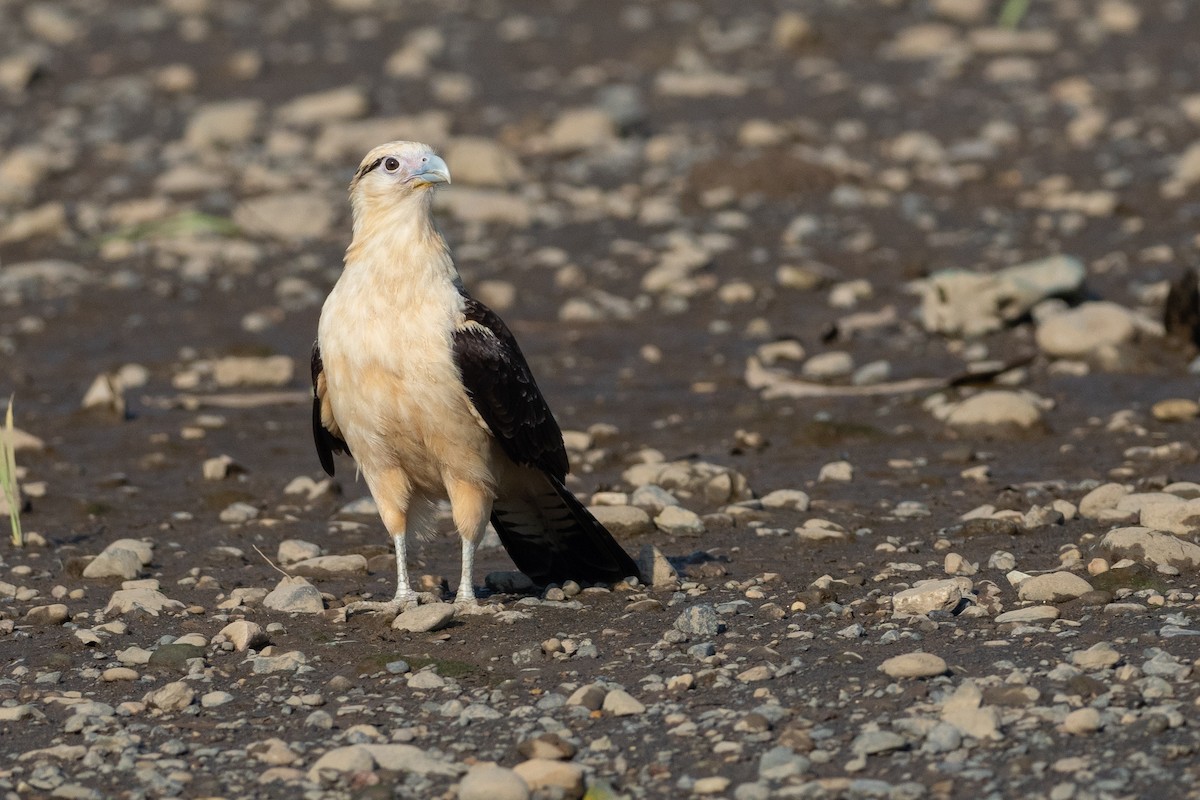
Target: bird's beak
(432,171)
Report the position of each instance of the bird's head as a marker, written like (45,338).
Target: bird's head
(397,171)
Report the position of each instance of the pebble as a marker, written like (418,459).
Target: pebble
(624,522)
(1053,587)
(294,596)
(172,696)
(1082,721)
(995,409)
(1086,330)
(679,521)
(1029,615)
(655,568)
(245,635)
(933,595)
(1101,655)
(715,784)
(422,619)
(562,777)
(870,743)
(151,601)
(699,621)
(620,703)
(837,472)
(914,665)
(492,782)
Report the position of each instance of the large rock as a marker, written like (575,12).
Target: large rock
(1178,517)
(1151,546)
(623,521)
(431,617)
(123,558)
(295,596)
(935,595)
(492,782)
(151,601)
(287,216)
(562,776)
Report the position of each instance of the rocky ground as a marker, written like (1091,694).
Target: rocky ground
(853,314)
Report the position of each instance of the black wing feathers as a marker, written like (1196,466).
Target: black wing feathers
(502,389)
(327,442)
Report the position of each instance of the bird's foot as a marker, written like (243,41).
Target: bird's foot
(464,607)
(391,608)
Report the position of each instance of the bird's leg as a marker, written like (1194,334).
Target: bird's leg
(396,522)
(470,505)
(466,591)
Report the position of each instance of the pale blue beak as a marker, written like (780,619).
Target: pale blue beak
(432,170)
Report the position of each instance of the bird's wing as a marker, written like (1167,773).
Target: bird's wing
(501,387)
(326,434)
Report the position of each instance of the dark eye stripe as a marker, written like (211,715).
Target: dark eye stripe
(368,167)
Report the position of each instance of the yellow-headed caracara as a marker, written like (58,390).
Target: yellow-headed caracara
(427,389)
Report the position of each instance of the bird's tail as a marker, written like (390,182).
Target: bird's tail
(552,537)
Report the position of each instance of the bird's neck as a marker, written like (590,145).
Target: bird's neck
(400,242)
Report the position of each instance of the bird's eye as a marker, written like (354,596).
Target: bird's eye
(391,164)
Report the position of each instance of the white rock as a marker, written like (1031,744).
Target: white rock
(294,596)
(293,550)
(1102,498)
(1182,518)
(148,600)
(237,512)
(836,471)
(215,699)
(1152,547)
(679,521)
(352,564)
(1086,330)
(426,679)
(655,568)
(546,773)
(353,759)
(286,216)
(245,635)
(431,617)
(1099,656)
(235,371)
(477,161)
(408,758)
(114,562)
(492,782)
(218,468)
(936,595)
(581,129)
(1083,720)
(621,703)
(346,102)
(966,712)
(225,123)
(793,499)
(284,662)
(1032,614)
(172,697)
(1053,587)
(995,408)
(42,279)
(914,665)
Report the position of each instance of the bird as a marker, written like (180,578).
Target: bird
(426,388)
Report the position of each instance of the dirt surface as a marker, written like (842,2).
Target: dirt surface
(664,193)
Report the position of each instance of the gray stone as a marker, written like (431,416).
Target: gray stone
(1101,655)
(934,595)
(284,662)
(623,522)
(245,635)
(561,777)
(871,742)
(1032,614)
(172,697)
(346,102)
(352,564)
(292,550)
(228,122)
(780,763)
(700,621)
(114,562)
(679,521)
(792,499)
(1182,518)
(151,601)
(1100,499)
(1082,721)
(431,617)
(288,216)
(294,596)
(1053,587)
(655,567)
(477,161)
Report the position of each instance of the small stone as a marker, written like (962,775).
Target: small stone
(289,217)
(218,468)
(715,784)
(623,522)
(492,782)
(913,665)
(1178,409)
(655,567)
(544,774)
(1151,547)
(1099,656)
(1032,614)
(591,697)
(755,674)
(700,621)
(620,703)
(936,595)
(151,601)
(295,596)
(292,550)
(837,472)
(119,674)
(284,662)
(422,619)
(580,129)
(238,512)
(172,697)
(679,521)
(995,409)
(872,742)
(1086,330)
(547,745)
(346,102)
(1082,721)
(426,679)
(353,564)
(1103,498)
(245,635)
(273,751)
(54,614)
(224,123)
(114,562)
(352,759)
(215,699)
(1054,587)
(792,499)
(965,711)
